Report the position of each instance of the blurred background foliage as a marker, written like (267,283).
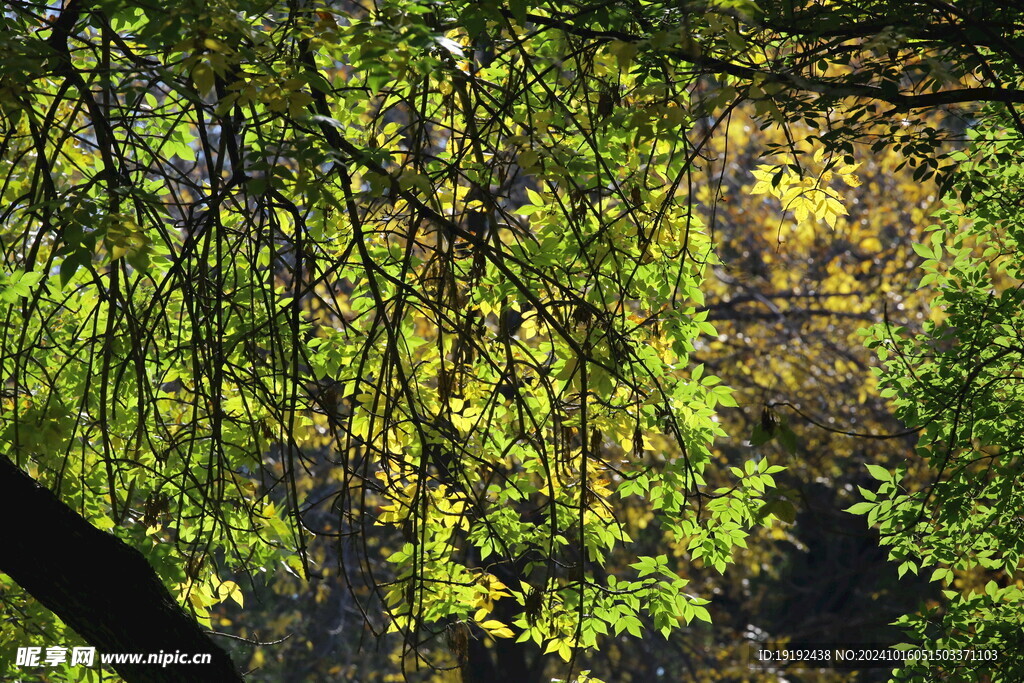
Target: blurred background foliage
(787,304)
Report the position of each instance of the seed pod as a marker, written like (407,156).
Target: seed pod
(768,421)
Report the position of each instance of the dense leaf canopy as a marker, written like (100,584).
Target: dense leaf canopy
(421,298)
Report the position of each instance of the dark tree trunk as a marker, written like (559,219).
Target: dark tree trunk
(98,585)
(507,661)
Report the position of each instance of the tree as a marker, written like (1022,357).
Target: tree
(787,302)
(956,384)
(340,262)
(91,599)
(452,252)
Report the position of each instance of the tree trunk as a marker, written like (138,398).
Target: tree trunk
(98,585)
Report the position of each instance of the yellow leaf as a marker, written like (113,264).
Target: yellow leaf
(230,590)
(496,629)
(491,624)
(800,212)
(792,193)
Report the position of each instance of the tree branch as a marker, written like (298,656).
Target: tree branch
(99,586)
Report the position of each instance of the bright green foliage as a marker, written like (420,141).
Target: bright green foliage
(466,274)
(449,255)
(958,383)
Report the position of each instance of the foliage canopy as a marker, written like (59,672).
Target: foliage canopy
(452,254)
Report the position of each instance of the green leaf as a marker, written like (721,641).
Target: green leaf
(880,473)
(923,251)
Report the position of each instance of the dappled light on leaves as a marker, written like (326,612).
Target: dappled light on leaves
(496,332)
